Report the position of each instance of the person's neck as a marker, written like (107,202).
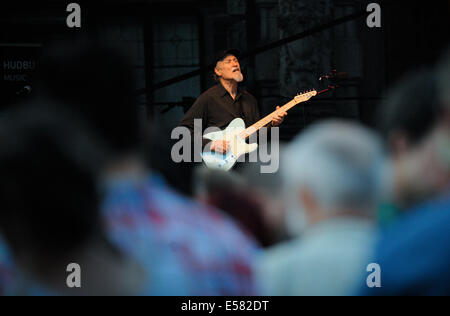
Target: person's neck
(231,86)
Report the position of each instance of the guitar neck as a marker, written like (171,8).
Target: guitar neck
(266,120)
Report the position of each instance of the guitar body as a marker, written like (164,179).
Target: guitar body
(238,146)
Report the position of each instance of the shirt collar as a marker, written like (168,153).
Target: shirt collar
(224,91)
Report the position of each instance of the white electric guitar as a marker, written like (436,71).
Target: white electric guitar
(236,134)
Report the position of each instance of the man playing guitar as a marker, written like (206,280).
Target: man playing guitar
(224,102)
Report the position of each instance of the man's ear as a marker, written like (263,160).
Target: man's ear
(217,72)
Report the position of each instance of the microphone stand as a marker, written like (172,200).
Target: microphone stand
(332,78)
(330,88)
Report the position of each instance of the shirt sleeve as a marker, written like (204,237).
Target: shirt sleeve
(199,110)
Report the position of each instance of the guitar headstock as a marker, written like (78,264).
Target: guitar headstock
(305,96)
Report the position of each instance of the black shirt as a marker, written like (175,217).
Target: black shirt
(217,108)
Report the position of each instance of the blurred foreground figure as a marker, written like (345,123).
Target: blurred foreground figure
(333,176)
(267,188)
(50,209)
(408,120)
(6,267)
(252,198)
(183,248)
(414,252)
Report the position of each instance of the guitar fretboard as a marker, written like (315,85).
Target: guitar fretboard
(266,120)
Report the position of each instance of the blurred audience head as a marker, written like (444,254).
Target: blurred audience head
(230,192)
(208,182)
(409,120)
(267,189)
(409,112)
(333,169)
(96,82)
(48,193)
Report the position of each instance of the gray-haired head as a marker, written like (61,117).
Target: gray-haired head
(340,163)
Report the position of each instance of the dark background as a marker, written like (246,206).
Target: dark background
(165,39)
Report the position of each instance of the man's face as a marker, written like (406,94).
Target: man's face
(229,69)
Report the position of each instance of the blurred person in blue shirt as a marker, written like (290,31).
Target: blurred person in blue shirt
(407,120)
(413,253)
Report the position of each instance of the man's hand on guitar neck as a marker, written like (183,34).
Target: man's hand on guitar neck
(220,146)
(278,119)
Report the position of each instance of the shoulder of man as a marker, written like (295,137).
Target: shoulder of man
(214,90)
(207,95)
